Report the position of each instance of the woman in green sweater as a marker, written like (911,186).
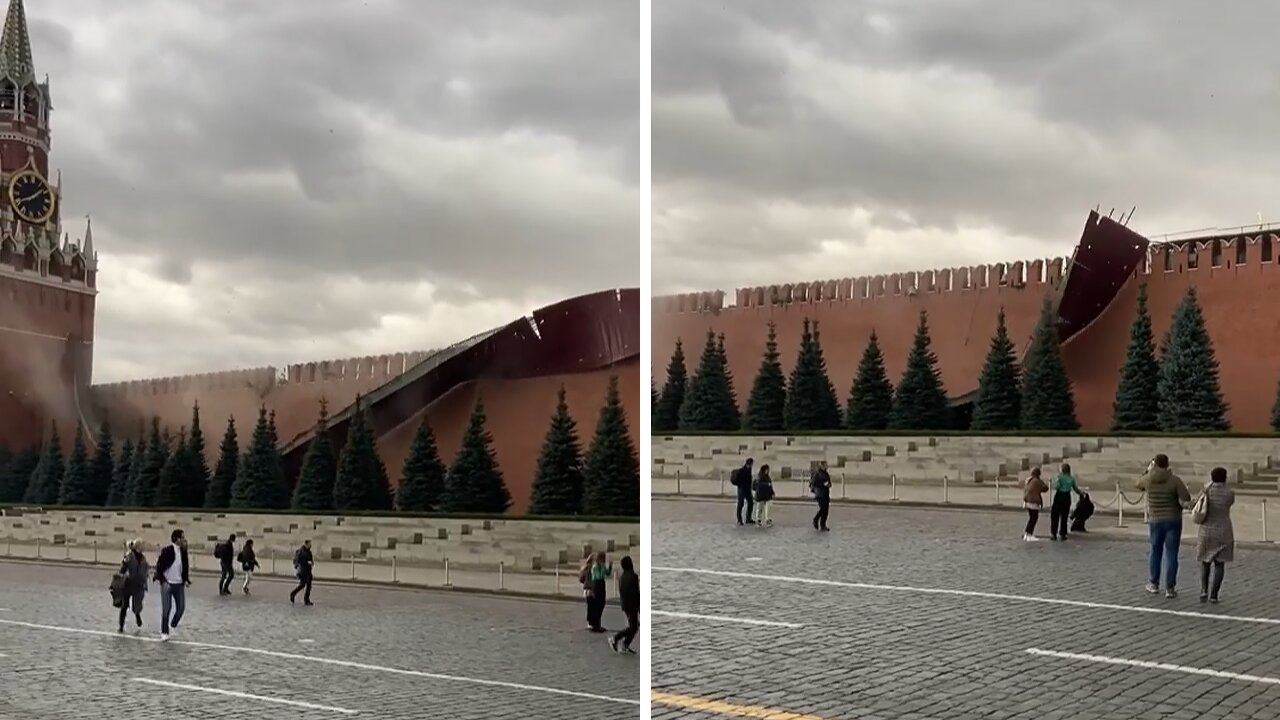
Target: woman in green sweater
(1063,485)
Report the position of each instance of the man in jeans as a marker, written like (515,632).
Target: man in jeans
(820,485)
(173,574)
(226,556)
(741,479)
(1167,495)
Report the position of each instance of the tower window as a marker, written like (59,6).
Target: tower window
(1215,253)
(30,104)
(1266,248)
(1168,259)
(8,96)
(29,259)
(1242,250)
(1193,258)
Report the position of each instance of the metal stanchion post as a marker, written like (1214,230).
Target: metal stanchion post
(1264,520)
(678,483)
(997,492)
(95,552)
(37,548)
(446,572)
(353,567)
(844,492)
(557,578)
(273,561)
(66,552)
(893,483)
(946,490)
(394,576)
(502,579)
(721,482)
(1119,506)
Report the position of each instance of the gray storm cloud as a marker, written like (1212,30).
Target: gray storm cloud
(804,140)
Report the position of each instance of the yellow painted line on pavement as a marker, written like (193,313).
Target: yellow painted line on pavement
(689,702)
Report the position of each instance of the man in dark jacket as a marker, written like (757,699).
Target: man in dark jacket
(302,563)
(226,553)
(741,479)
(173,573)
(629,596)
(820,484)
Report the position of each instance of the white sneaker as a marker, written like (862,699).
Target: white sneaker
(164,637)
(1032,538)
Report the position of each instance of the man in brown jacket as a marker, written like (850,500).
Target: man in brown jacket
(1167,495)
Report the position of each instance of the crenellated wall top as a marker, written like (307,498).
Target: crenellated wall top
(960,279)
(262,379)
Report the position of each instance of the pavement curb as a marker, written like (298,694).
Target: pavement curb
(1108,533)
(333,582)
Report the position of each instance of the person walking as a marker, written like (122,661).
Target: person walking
(629,596)
(1215,538)
(248,560)
(226,553)
(173,572)
(303,564)
(820,486)
(1033,502)
(134,570)
(741,479)
(1063,485)
(764,497)
(1167,495)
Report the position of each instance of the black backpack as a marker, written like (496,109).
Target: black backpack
(220,550)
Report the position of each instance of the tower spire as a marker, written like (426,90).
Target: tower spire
(88,237)
(15,45)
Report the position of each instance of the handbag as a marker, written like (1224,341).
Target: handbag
(1200,510)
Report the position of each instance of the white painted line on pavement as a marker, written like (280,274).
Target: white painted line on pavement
(974,594)
(331,661)
(723,618)
(1154,666)
(306,640)
(244,696)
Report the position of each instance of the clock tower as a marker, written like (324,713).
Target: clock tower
(48,283)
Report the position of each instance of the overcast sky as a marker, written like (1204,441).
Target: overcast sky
(809,140)
(275,182)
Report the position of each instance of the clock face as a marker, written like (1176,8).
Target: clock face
(31,196)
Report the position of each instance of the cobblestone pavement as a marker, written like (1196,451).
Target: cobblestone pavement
(923,613)
(391,654)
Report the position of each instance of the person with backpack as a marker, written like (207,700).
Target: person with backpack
(595,576)
(133,582)
(225,553)
(248,560)
(741,479)
(820,486)
(764,497)
(302,566)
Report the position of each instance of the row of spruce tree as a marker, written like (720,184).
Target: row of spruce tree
(1179,391)
(161,470)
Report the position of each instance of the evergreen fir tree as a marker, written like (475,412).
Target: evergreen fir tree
(732,406)
(140,453)
(314,490)
(709,402)
(148,477)
(653,399)
(46,481)
(611,475)
(423,477)
(999,402)
(920,400)
(174,475)
(197,465)
(6,475)
(102,467)
(224,473)
(475,483)
(76,487)
(275,461)
(557,483)
(1189,389)
(811,402)
(1275,412)
(1137,403)
(1047,402)
(259,480)
(119,489)
(767,404)
(871,397)
(17,474)
(666,417)
(362,482)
